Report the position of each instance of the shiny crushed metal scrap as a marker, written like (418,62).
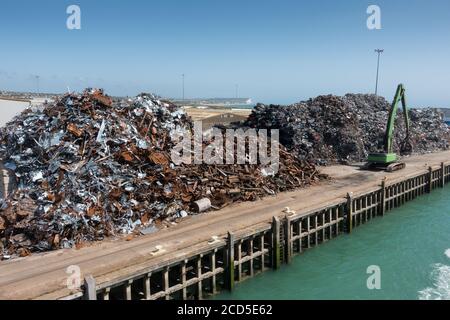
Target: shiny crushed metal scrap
(88,167)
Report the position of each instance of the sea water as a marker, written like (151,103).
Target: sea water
(408,251)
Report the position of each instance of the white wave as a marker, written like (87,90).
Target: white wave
(447,253)
(441,283)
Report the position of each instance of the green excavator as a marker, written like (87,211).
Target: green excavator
(388,160)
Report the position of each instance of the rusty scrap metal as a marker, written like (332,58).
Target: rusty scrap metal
(88,168)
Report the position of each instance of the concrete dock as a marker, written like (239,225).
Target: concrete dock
(207,253)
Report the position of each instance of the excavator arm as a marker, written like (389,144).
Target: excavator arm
(400,96)
(388,160)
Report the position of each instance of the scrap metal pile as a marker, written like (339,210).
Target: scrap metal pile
(87,167)
(332,129)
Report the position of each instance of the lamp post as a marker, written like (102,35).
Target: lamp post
(379,52)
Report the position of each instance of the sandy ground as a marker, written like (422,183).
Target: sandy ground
(201,114)
(44,275)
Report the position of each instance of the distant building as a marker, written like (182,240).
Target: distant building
(10,107)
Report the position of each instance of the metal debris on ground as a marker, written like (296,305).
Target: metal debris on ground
(332,129)
(88,167)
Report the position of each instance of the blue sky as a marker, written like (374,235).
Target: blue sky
(276,51)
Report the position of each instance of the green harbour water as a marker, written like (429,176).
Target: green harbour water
(410,245)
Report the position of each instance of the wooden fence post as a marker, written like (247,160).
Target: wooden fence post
(383,197)
(288,241)
(349,212)
(430,179)
(229,275)
(276,243)
(90,292)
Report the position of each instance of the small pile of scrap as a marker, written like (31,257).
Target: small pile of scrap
(332,129)
(87,167)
